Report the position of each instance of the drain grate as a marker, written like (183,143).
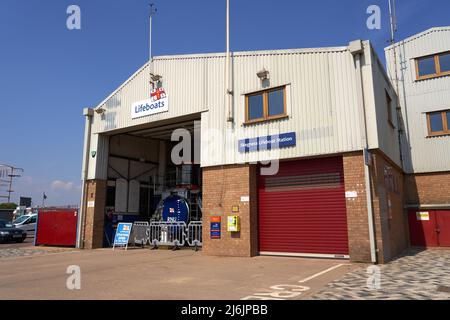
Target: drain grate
(443,289)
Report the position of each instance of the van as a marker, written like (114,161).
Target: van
(26,222)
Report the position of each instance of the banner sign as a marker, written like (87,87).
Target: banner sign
(277,141)
(216,223)
(158,103)
(123,233)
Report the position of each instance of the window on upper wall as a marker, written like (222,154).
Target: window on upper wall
(444,62)
(265,105)
(389,109)
(433,66)
(438,123)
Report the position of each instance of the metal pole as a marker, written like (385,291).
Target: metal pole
(227,66)
(150,41)
(88,114)
(368,180)
(152,12)
(10,185)
(358,56)
(393,23)
(11,176)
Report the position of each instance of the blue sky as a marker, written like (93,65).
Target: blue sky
(48,73)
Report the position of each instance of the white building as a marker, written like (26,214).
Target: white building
(324,106)
(420,67)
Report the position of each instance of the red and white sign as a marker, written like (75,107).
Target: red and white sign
(157,103)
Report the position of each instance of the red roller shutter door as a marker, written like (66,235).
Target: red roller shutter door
(302,209)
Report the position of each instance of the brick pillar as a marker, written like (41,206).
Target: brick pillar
(94,216)
(223,188)
(357,221)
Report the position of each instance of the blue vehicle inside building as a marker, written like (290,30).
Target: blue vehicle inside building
(147,186)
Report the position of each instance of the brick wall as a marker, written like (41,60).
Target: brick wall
(222,189)
(391,232)
(388,197)
(224,186)
(431,188)
(357,223)
(94,217)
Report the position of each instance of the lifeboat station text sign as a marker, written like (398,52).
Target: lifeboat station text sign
(272,142)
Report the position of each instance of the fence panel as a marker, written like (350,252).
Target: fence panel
(167,233)
(194,234)
(140,232)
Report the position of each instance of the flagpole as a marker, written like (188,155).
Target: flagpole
(228,93)
(153,10)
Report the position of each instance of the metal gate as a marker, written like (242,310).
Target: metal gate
(302,209)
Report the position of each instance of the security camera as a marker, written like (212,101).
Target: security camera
(263,74)
(156,77)
(100,110)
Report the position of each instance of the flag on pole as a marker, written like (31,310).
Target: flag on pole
(44,197)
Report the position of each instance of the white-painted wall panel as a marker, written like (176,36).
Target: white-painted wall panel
(422,154)
(322,101)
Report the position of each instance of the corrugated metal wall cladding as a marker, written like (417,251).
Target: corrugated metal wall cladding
(186,94)
(322,101)
(422,154)
(322,105)
(387,133)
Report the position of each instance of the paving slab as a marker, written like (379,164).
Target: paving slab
(416,275)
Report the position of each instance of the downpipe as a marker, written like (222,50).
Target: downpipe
(357,50)
(88,114)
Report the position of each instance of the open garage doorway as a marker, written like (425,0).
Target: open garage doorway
(147,170)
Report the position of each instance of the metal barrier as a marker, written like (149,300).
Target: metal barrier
(194,234)
(167,233)
(140,232)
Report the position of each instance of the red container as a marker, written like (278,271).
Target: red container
(57,227)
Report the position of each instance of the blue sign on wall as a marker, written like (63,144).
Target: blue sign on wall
(277,141)
(215,227)
(122,234)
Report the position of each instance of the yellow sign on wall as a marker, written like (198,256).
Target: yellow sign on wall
(233,224)
(423,216)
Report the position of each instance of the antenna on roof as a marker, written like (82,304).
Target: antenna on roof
(393,20)
(393,24)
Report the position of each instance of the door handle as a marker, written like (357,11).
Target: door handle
(438,230)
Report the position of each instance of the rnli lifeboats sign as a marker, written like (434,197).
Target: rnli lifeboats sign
(157,103)
(122,236)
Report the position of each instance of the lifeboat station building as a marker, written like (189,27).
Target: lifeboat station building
(300,149)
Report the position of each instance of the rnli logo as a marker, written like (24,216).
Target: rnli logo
(157,94)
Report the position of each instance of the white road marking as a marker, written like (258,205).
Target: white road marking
(289,291)
(323,272)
